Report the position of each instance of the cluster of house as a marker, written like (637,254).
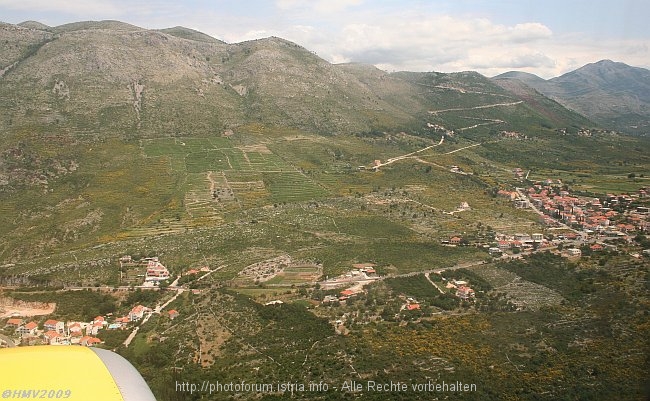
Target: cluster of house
(344,295)
(56,332)
(517,201)
(155,271)
(463,290)
(613,215)
(410,304)
(518,241)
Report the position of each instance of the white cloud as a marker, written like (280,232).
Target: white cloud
(426,42)
(327,6)
(432,42)
(530,31)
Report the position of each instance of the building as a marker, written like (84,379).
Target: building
(14,322)
(494,251)
(88,341)
(54,338)
(596,248)
(137,313)
(155,270)
(465,293)
(574,252)
(29,329)
(54,325)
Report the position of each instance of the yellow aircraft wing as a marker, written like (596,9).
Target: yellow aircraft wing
(69,372)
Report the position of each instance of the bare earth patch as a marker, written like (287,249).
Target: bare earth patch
(10,307)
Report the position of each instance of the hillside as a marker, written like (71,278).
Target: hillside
(120,132)
(263,177)
(613,94)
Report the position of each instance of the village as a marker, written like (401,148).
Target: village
(57,332)
(24,331)
(571,221)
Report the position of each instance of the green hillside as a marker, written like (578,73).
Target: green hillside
(273,170)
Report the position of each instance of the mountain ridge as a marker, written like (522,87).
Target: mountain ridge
(613,94)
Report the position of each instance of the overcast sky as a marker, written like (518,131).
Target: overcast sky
(544,37)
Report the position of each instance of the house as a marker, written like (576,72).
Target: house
(74,327)
(14,322)
(574,252)
(494,251)
(88,341)
(54,338)
(28,330)
(347,293)
(54,325)
(75,337)
(596,248)
(465,293)
(137,313)
(173,314)
(503,245)
(413,307)
(455,240)
(155,270)
(94,328)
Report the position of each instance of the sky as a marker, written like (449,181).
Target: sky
(543,37)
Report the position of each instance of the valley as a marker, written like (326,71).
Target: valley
(319,222)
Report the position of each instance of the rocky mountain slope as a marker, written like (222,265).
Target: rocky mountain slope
(613,94)
(115,79)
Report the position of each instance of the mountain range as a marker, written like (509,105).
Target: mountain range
(611,94)
(109,76)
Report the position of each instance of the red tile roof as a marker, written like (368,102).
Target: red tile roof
(31,325)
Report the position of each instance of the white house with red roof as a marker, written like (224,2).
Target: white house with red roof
(54,338)
(30,329)
(137,313)
(93,329)
(54,325)
(88,341)
(155,270)
(74,327)
(463,292)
